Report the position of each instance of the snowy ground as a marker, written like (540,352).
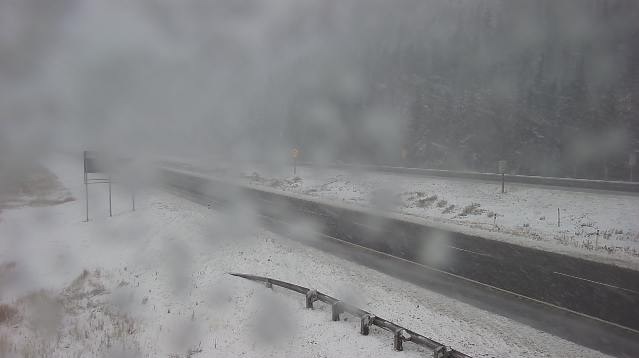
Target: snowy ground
(153,283)
(37,188)
(602,226)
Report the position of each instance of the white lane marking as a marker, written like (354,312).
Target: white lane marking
(470,280)
(474,281)
(452,247)
(471,252)
(596,282)
(486,285)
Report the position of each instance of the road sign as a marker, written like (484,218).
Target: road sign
(91,163)
(100,163)
(404,154)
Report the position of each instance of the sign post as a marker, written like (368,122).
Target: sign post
(502,166)
(86,186)
(295,153)
(632,162)
(110,211)
(100,164)
(93,166)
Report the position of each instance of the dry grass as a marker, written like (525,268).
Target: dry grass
(5,345)
(472,209)
(8,314)
(69,323)
(419,199)
(426,202)
(33,186)
(6,268)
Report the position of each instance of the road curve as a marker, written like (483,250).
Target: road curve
(590,303)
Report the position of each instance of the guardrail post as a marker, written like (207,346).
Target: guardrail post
(311,296)
(441,352)
(365,324)
(336,309)
(268,284)
(399,336)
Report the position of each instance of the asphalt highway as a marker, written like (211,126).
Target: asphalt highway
(592,304)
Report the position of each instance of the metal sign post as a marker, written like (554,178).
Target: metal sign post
(86,187)
(632,162)
(100,164)
(93,166)
(110,212)
(295,153)
(502,166)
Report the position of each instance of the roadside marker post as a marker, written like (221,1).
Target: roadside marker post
(502,166)
(558,218)
(632,162)
(110,211)
(295,153)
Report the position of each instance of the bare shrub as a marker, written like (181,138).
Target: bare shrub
(426,202)
(45,311)
(415,195)
(471,209)
(449,209)
(8,314)
(80,313)
(7,267)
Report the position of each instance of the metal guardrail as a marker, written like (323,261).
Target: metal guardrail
(400,334)
(621,186)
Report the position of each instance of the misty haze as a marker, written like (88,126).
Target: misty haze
(319,178)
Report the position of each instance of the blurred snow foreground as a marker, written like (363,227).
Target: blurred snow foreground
(153,283)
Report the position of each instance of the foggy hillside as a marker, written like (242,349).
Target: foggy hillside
(152,149)
(550,86)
